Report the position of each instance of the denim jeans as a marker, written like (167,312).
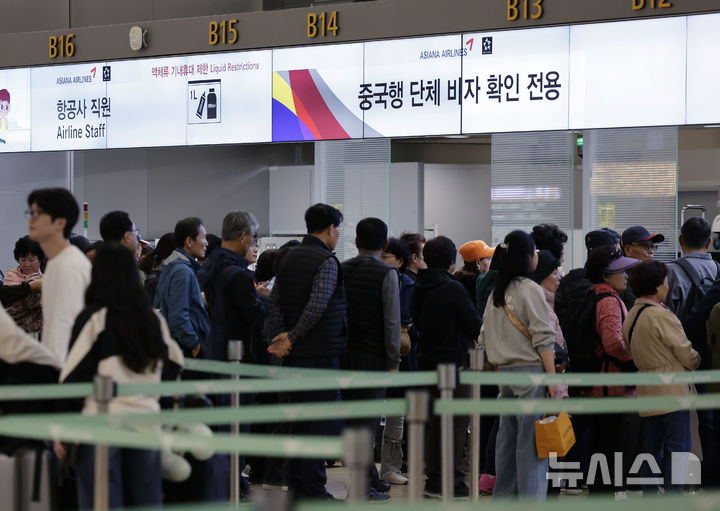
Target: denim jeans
(520,473)
(662,436)
(135,477)
(392,453)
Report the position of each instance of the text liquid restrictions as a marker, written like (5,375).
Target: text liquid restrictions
(203,101)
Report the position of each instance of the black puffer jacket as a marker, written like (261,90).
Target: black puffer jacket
(446,319)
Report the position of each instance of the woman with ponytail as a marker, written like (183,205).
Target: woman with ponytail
(518,337)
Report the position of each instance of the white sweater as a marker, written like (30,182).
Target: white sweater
(67,276)
(17,346)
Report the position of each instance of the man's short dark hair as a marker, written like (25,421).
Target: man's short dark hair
(321,216)
(646,277)
(371,234)
(549,237)
(187,228)
(58,203)
(440,253)
(696,232)
(114,225)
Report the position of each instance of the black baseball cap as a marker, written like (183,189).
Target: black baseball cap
(601,237)
(546,265)
(639,233)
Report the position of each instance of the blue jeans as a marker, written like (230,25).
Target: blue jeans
(520,473)
(662,436)
(135,477)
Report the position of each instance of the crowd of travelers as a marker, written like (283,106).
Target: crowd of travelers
(123,308)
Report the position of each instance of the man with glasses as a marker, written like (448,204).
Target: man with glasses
(117,226)
(229,286)
(51,216)
(232,299)
(638,243)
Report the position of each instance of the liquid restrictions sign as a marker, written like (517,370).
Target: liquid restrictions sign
(203,101)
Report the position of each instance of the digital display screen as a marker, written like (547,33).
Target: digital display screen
(703,71)
(626,74)
(412,86)
(516,80)
(602,75)
(15,110)
(70,107)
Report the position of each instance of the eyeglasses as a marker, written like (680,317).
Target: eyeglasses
(33,213)
(647,246)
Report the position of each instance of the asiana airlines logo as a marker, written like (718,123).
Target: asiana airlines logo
(449,53)
(443,54)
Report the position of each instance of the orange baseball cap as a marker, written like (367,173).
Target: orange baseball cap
(474,250)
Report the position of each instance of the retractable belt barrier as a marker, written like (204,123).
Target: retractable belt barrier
(252,444)
(255,414)
(587,379)
(142,430)
(705,502)
(575,405)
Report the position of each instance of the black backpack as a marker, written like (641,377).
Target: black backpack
(578,306)
(698,289)
(695,325)
(570,301)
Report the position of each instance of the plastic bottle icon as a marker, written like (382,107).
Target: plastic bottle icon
(201,106)
(212,104)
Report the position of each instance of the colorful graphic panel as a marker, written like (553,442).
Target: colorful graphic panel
(315,93)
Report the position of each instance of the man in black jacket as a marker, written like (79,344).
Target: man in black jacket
(373,298)
(229,286)
(448,325)
(308,320)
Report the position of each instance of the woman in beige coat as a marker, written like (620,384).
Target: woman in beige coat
(658,344)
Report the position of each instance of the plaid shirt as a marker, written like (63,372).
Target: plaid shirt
(322,290)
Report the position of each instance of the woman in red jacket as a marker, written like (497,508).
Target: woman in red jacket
(611,433)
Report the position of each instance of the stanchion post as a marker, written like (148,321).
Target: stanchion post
(446,383)
(417,417)
(477,359)
(235,354)
(103,391)
(357,459)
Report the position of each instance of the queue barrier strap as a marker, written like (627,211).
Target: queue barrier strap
(255,414)
(366,380)
(250,444)
(262,371)
(45,391)
(576,405)
(587,379)
(705,502)
(304,380)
